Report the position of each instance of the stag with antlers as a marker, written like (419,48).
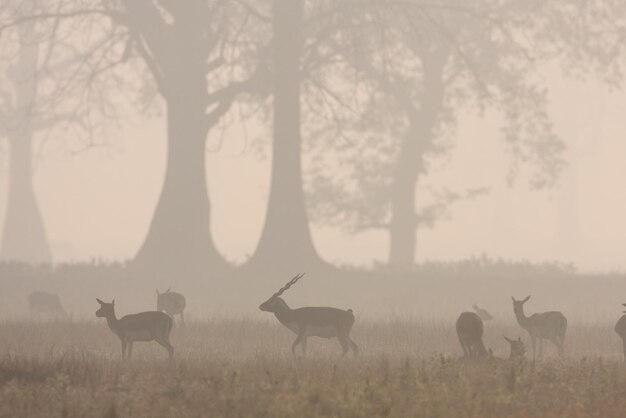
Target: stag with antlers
(307,322)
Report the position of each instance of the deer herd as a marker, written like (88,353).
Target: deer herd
(323,322)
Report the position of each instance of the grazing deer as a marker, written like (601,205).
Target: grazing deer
(312,321)
(620,328)
(45,303)
(172,303)
(518,349)
(484,315)
(144,326)
(469,329)
(546,325)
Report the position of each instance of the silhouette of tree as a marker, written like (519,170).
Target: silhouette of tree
(24,236)
(306,60)
(188,46)
(51,91)
(429,63)
(198,58)
(285,241)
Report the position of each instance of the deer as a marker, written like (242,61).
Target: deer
(484,315)
(45,303)
(469,329)
(172,303)
(546,325)
(307,322)
(620,329)
(143,326)
(518,349)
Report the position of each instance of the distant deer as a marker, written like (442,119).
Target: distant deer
(469,329)
(484,315)
(546,325)
(312,321)
(172,303)
(144,326)
(518,349)
(45,303)
(620,328)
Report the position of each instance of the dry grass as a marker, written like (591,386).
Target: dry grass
(244,368)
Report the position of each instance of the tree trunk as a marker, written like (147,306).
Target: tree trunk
(24,237)
(285,245)
(403,225)
(179,241)
(415,144)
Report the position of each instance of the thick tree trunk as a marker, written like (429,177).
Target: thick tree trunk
(415,144)
(24,237)
(403,225)
(179,245)
(179,241)
(285,245)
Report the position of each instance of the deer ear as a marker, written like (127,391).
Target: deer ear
(157,290)
(168,289)
(527,297)
(508,339)
(519,339)
(99,301)
(512,298)
(113,302)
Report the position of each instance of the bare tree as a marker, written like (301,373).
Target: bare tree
(427,63)
(24,235)
(200,60)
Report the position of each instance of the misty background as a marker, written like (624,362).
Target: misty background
(409,156)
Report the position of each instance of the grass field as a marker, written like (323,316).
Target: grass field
(227,367)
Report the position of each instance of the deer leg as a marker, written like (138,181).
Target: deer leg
(465,353)
(123,348)
(297,341)
(471,348)
(533,341)
(166,344)
(353,346)
(557,344)
(540,348)
(182,318)
(304,341)
(345,345)
(130,349)
(624,347)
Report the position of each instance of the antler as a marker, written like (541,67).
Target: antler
(289,284)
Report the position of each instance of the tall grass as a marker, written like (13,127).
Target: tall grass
(242,367)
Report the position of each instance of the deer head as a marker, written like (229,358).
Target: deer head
(106,309)
(518,349)
(160,298)
(518,305)
(276,303)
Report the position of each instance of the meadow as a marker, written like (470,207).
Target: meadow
(243,368)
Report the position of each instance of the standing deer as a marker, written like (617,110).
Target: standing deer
(469,329)
(620,328)
(546,325)
(143,326)
(484,315)
(172,303)
(312,321)
(45,303)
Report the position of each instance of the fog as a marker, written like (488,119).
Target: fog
(400,183)
(98,204)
